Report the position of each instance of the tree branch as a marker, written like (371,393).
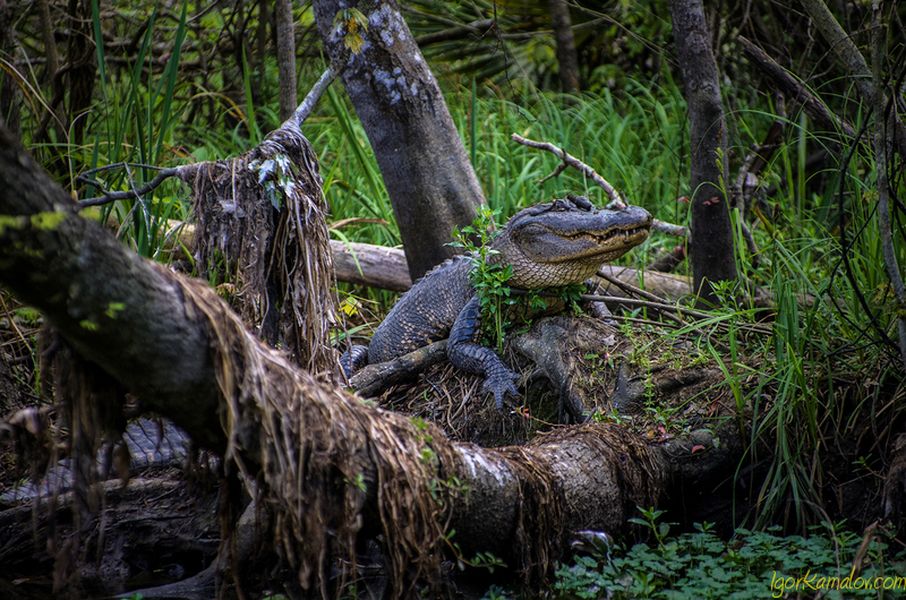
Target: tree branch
(885,118)
(135,192)
(616,200)
(854,62)
(796,89)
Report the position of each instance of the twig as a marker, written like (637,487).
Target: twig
(847,54)
(616,200)
(629,288)
(793,87)
(662,307)
(132,194)
(555,173)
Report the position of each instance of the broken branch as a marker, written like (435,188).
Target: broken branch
(130,194)
(796,89)
(616,200)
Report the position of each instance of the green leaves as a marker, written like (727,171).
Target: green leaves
(490,279)
(277,177)
(702,565)
(353,23)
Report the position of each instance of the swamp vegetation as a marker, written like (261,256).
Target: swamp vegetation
(730,443)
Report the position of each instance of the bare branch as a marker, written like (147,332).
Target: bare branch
(796,89)
(673,309)
(616,200)
(162,175)
(311,99)
(846,52)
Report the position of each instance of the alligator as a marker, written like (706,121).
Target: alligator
(549,245)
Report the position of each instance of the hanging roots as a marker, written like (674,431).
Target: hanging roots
(319,454)
(262,228)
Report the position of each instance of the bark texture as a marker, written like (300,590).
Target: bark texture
(426,170)
(567,59)
(711,245)
(122,311)
(286,57)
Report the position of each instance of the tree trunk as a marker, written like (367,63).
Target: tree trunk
(566,45)
(711,244)
(426,170)
(81,56)
(50,44)
(286,58)
(328,465)
(9,105)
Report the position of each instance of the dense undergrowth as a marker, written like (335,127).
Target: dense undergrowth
(826,399)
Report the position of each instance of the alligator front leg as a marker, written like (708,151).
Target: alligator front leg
(469,356)
(354,359)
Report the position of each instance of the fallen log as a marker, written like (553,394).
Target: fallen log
(386,268)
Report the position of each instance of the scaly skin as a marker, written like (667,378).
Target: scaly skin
(549,245)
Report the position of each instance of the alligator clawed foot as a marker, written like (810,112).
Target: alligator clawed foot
(501,385)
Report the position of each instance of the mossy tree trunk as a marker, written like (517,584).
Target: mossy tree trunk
(431,183)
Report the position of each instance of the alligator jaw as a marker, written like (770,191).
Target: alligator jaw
(559,244)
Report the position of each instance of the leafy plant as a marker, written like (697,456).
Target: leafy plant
(488,278)
(754,564)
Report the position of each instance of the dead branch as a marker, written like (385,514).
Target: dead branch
(672,309)
(848,55)
(790,85)
(134,192)
(311,99)
(885,126)
(616,200)
(373,379)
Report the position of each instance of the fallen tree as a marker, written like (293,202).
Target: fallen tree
(330,469)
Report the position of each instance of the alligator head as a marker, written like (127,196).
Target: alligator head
(566,241)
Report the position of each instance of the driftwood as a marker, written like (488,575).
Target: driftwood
(330,468)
